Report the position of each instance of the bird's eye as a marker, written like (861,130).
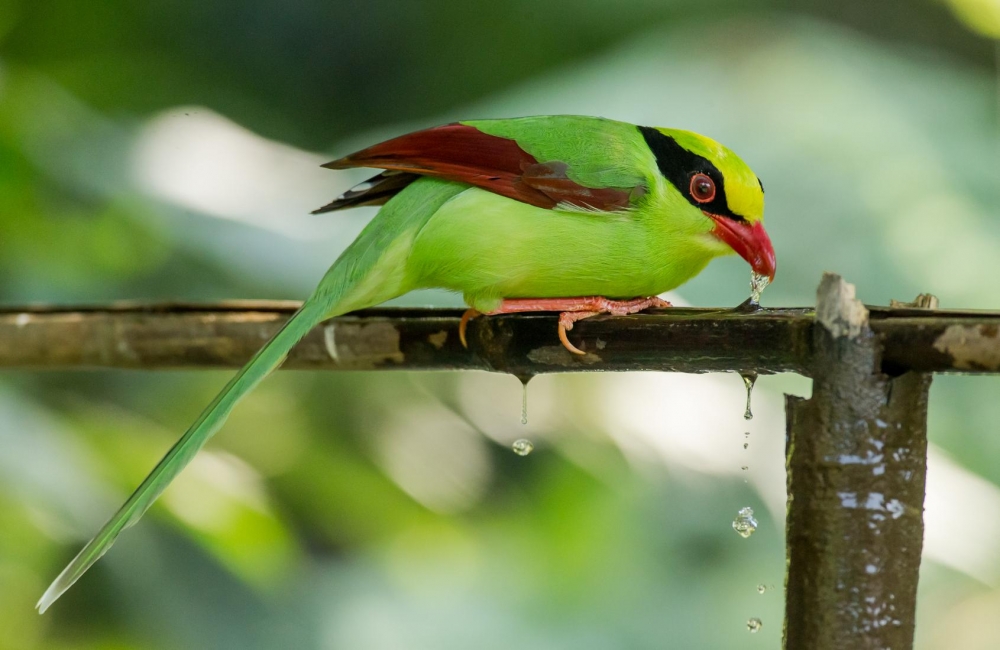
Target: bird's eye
(702,188)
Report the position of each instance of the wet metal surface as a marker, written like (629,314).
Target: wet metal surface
(856,460)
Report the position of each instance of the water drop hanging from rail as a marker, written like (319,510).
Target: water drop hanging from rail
(749,379)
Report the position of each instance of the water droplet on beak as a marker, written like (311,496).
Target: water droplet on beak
(758,283)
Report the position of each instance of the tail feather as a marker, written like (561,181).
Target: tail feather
(267,360)
(370,271)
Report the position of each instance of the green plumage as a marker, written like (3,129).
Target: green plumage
(488,247)
(443,233)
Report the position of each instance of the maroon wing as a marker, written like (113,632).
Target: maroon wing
(465,154)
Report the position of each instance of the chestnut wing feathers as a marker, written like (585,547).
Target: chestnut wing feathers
(463,153)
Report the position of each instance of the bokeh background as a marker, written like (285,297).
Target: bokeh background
(170,150)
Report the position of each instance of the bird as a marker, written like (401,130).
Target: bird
(570,214)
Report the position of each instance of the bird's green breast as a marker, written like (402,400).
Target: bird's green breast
(489,247)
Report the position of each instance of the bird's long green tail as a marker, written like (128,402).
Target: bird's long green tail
(268,359)
(371,270)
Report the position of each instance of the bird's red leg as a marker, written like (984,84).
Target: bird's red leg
(571,310)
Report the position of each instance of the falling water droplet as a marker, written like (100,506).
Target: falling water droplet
(522,447)
(754,625)
(758,283)
(749,379)
(761,589)
(745,524)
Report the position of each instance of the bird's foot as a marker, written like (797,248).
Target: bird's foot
(571,310)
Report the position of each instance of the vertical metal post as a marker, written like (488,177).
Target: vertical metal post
(856,460)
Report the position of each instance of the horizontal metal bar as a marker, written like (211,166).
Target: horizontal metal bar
(225,335)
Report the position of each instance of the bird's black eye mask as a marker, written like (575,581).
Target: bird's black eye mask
(685,170)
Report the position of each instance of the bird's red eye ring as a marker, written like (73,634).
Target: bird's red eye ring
(702,188)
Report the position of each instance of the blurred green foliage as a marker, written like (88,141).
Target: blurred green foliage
(161,150)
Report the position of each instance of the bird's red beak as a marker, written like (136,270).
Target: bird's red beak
(749,241)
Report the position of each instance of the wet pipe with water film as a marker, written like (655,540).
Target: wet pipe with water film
(856,458)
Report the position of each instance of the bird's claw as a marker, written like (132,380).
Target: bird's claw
(464,325)
(566,320)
